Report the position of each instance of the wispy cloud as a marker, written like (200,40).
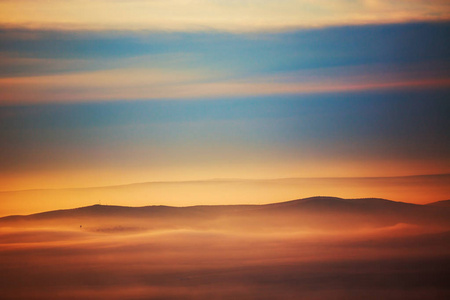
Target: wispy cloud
(225,15)
(322,97)
(48,66)
(135,84)
(99,85)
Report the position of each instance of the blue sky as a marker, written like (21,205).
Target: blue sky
(246,99)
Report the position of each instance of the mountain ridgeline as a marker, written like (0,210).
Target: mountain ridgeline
(315,213)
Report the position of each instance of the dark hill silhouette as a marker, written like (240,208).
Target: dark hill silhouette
(313,213)
(443,203)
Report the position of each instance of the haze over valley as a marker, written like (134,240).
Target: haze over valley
(217,149)
(313,248)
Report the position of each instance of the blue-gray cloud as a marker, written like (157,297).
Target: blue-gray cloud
(240,53)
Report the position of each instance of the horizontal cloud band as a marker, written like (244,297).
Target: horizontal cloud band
(224,15)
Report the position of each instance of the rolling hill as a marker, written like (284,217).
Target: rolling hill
(319,213)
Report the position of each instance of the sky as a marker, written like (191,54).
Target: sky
(96,93)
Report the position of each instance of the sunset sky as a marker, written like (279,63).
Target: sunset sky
(96,93)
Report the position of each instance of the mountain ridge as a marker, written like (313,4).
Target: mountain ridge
(318,212)
(315,199)
(442,203)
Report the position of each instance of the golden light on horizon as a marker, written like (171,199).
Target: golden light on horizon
(224,149)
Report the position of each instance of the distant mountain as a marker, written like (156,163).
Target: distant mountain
(443,203)
(312,213)
(414,189)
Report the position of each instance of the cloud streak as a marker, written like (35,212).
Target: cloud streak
(134,84)
(204,15)
(328,101)
(49,66)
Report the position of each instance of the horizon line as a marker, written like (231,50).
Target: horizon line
(220,179)
(203,205)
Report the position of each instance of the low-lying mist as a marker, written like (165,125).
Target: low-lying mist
(291,250)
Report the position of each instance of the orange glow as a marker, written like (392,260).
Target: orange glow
(197,256)
(421,189)
(224,149)
(219,15)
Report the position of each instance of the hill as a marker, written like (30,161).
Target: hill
(443,203)
(319,213)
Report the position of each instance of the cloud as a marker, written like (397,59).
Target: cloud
(203,15)
(100,85)
(51,66)
(236,265)
(132,84)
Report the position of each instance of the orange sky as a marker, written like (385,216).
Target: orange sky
(100,93)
